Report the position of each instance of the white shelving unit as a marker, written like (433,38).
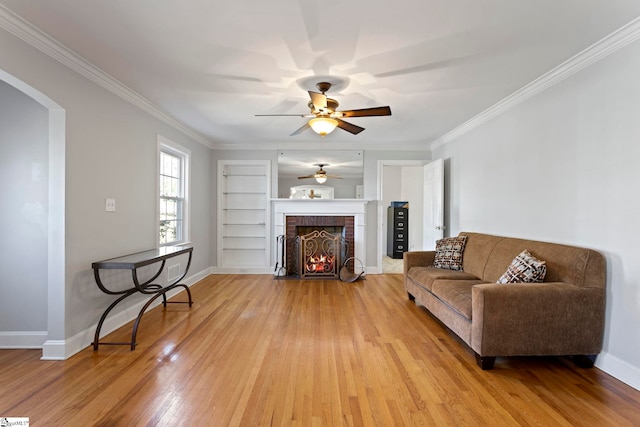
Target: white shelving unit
(243,214)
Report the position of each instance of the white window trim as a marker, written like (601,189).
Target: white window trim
(171,147)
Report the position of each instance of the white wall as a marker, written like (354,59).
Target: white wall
(563,167)
(24,163)
(391,184)
(110,152)
(413,192)
(391,191)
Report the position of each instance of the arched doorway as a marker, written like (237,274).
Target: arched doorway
(54,346)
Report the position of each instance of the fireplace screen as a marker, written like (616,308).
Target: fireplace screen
(320,254)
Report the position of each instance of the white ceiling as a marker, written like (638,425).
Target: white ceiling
(214,64)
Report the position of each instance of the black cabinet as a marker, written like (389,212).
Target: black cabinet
(397,231)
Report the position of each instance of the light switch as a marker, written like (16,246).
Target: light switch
(110,205)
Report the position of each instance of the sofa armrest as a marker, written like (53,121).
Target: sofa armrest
(552,318)
(417,259)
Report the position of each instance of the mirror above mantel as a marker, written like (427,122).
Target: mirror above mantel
(347,164)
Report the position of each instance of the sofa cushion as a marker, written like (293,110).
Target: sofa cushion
(579,266)
(477,251)
(424,276)
(525,268)
(456,294)
(449,253)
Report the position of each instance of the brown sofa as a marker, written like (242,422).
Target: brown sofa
(564,315)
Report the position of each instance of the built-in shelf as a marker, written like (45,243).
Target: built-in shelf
(243,197)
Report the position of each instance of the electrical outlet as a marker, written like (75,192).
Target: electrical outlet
(110,205)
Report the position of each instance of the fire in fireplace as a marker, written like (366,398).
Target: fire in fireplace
(320,253)
(334,246)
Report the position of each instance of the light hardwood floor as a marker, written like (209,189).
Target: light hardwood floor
(256,351)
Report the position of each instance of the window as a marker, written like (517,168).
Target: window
(173,208)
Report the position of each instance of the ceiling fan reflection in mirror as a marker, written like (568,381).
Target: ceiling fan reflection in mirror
(320,175)
(325,117)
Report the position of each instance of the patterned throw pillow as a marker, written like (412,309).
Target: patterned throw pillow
(449,253)
(524,268)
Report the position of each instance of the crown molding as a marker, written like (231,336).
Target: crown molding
(327,145)
(594,53)
(30,34)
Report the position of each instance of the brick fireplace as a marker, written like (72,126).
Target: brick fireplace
(349,213)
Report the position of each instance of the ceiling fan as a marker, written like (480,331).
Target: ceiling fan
(325,117)
(320,175)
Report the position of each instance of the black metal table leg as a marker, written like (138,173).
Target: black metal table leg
(133,262)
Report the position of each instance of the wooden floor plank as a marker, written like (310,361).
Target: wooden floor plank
(258,351)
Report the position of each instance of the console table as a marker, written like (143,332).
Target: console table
(133,262)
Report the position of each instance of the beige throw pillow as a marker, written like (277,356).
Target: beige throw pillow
(525,268)
(449,253)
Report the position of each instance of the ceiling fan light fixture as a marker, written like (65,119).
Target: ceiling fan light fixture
(323,125)
(321,179)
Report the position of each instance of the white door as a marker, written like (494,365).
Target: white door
(433,204)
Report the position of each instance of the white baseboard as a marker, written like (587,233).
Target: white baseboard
(195,278)
(60,350)
(22,339)
(54,350)
(371,270)
(619,369)
(242,270)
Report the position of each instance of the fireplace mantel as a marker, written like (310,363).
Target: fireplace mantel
(281,208)
(313,206)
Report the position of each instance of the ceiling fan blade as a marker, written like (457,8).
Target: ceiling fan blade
(349,127)
(318,100)
(366,112)
(306,177)
(333,176)
(300,129)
